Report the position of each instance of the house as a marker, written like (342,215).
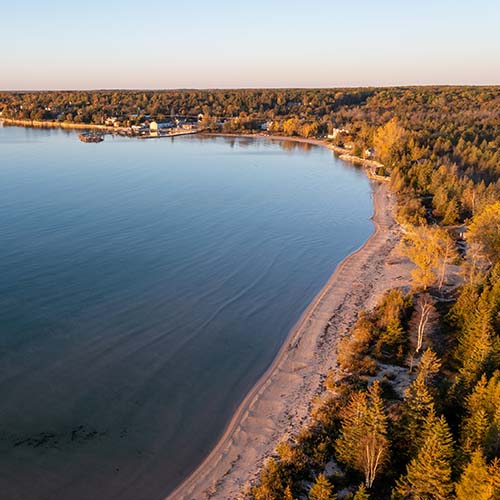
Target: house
(336,132)
(111,121)
(137,129)
(155,126)
(189,126)
(266,125)
(368,153)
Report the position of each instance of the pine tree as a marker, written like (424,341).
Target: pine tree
(418,404)
(477,480)
(428,475)
(288,494)
(272,484)
(361,493)
(322,489)
(476,351)
(481,425)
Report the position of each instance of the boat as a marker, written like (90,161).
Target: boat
(91,137)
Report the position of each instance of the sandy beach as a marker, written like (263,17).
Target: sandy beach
(279,403)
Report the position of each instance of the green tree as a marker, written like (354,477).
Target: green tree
(418,405)
(272,483)
(477,343)
(481,425)
(288,494)
(322,489)
(361,493)
(478,481)
(428,475)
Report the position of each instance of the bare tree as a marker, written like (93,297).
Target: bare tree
(447,252)
(423,318)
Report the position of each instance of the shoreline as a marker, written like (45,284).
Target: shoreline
(64,125)
(342,153)
(279,403)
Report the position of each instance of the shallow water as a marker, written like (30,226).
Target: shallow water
(145,287)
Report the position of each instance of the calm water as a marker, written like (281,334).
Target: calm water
(144,288)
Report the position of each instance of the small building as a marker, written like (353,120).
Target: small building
(138,129)
(368,153)
(189,126)
(266,125)
(336,132)
(155,126)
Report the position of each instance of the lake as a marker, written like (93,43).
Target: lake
(145,287)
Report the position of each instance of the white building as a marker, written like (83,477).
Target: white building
(336,132)
(155,126)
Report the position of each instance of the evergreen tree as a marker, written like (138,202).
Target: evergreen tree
(477,480)
(288,494)
(272,483)
(428,475)
(418,404)
(476,352)
(322,489)
(481,424)
(361,493)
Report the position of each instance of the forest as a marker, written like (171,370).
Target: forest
(440,145)
(412,409)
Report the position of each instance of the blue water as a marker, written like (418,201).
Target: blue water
(145,286)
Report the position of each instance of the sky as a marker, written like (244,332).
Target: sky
(232,44)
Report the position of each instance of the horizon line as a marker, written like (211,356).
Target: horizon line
(164,89)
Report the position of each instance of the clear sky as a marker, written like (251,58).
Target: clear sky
(89,44)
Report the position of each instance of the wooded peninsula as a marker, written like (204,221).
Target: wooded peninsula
(411,409)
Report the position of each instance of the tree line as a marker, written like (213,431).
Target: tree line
(440,145)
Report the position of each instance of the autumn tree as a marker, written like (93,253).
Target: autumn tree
(420,247)
(431,249)
(387,140)
(485,230)
(447,252)
(392,339)
(272,483)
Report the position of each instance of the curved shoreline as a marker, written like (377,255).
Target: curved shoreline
(279,403)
